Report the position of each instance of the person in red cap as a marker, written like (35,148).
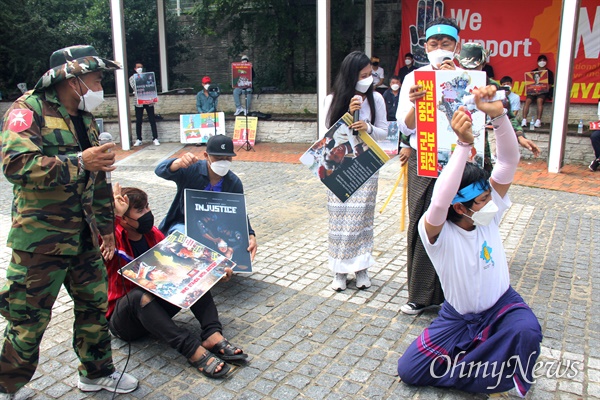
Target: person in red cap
(204,102)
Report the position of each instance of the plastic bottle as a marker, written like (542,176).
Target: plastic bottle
(532,124)
(580,126)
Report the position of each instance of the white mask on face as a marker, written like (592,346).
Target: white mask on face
(364,84)
(408,61)
(139,70)
(207,86)
(395,87)
(486,215)
(542,64)
(220,168)
(91,100)
(436,57)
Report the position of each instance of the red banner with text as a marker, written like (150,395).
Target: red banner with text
(515,35)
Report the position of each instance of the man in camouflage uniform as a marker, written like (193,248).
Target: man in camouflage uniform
(62,203)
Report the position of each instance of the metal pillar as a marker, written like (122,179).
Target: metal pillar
(562,89)
(121,82)
(323,60)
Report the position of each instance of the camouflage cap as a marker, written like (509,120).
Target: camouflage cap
(74,61)
(472,55)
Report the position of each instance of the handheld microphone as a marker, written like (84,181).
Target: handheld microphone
(104,138)
(470,99)
(356,117)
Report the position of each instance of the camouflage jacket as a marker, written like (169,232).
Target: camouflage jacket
(53,198)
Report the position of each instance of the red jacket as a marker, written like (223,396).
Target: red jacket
(124,255)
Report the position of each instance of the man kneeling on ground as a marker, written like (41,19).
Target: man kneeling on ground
(484,325)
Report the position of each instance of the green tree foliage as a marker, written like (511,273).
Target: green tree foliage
(281,35)
(32,29)
(141,35)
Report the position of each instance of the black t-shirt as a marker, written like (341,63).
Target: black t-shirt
(84,140)
(139,247)
(391,104)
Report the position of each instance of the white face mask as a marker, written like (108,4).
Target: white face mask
(408,61)
(395,87)
(542,64)
(364,84)
(437,56)
(91,100)
(486,215)
(207,86)
(139,70)
(220,168)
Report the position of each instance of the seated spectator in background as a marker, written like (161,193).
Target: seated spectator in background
(237,92)
(409,66)
(391,104)
(540,99)
(595,138)
(483,322)
(377,73)
(204,102)
(513,98)
(134,312)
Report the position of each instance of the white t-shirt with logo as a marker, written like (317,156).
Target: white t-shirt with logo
(377,75)
(471,265)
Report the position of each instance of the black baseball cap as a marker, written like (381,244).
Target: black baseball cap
(220,145)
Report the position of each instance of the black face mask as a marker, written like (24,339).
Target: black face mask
(145,223)
(376,64)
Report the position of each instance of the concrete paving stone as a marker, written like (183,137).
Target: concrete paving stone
(573,347)
(357,350)
(593,362)
(594,352)
(285,393)
(287,366)
(274,374)
(317,392)
(330,351)
(336,396)
(157,380)
(295,356)
(73,395)
(42,382)
(571,387)
(349,388)
(348,360)
(249,395)
(297,381)
(327,380)
(593,390)
(543,395)
(221,394)
(264,386)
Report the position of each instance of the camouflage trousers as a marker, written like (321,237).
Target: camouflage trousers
(33,284)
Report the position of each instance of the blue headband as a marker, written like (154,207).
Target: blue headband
(470,192)
(441,30)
